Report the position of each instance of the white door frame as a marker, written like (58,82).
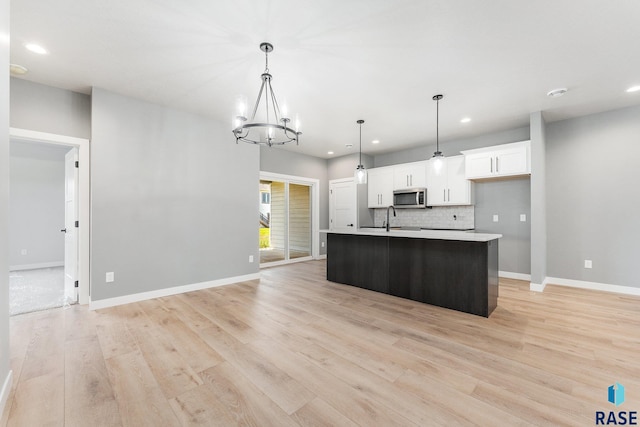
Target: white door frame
(315,209)
(84,197)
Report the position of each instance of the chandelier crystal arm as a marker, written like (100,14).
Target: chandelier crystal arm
(276,107)
(255,107)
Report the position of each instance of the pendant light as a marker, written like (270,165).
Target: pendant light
(361,172)
(437,159)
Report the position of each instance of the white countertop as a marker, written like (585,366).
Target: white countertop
(470,236)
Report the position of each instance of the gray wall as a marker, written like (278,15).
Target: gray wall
(345,166)
(286,162)
(36,203)
(508,199)
(173,198)
(452,148)
(592,197)
(48,109)
(4,191)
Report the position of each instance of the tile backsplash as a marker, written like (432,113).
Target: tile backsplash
(453,217)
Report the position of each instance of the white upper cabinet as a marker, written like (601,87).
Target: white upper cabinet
(448,186)
(498,161)
(380,187)
(410,175)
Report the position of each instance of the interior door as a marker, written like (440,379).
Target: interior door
(342,202)
(71,232)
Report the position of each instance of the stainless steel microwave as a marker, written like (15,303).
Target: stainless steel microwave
(410,198)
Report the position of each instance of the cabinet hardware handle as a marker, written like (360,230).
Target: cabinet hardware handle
(497,169)
(492,165)
(444,195)
(448,195)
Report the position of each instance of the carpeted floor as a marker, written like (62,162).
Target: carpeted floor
(34,290)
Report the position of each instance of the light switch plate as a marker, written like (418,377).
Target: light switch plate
(110,277)
(495,218)
(523,217)
(588,263)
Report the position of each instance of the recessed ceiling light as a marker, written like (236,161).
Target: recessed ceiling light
(633,89)
(17,70)
(465,120)
(36,48)
(557,92)
(330,152)
(375,141)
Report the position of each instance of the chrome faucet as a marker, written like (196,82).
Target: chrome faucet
(394,214)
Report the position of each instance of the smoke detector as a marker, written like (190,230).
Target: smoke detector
(555,93)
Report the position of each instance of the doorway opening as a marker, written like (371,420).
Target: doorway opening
(49,221)
(287,219)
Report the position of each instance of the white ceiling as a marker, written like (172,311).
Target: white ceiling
(336,61)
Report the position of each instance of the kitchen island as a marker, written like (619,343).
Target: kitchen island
(451,269)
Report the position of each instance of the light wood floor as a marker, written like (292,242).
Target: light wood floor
(294,349)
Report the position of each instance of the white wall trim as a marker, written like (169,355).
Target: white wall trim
(143,296)
(627,290)
(36,266)
(84,197)
(323,256)
(6,389)
(516,276)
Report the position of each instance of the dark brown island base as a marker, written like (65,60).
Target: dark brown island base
(451,269)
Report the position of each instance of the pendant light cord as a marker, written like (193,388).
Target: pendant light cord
(438,125)
(360,161)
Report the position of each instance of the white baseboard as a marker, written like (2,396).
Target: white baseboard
(323,256)
(4,393)
(516,276)
(127,299)
(36,266)
(627,290)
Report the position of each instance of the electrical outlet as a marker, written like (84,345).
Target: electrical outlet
(323,244)
(495,218)
(23,252)
(588,263)
(523,217)
(250,258)
(110,277)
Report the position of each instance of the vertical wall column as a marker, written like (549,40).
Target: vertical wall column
(5,373)
(538,203)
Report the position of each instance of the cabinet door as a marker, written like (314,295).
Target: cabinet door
(458,186)
(436,184)
(409,175)
(512,161)
(480,165)
(380,187)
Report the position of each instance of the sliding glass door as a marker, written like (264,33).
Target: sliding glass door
(285,221)
(299,221)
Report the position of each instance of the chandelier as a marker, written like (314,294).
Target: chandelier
(271,127)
